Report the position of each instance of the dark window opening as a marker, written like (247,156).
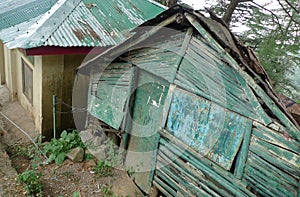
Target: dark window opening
(27,81)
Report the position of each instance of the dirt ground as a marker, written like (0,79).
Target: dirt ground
(63,180)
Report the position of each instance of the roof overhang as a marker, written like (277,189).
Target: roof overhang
(55,50)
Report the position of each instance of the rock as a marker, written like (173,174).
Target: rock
(91,163)
(99,152)
(99,140)
(86,135)
(76,154)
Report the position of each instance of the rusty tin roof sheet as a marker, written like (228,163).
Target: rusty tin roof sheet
(77,23)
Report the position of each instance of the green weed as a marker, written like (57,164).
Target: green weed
(57,149)
(33,186)
(107,192)
(103,169)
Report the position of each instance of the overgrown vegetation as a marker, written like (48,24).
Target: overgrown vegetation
(31,179)
(57,149)
(103,169)
(107,191)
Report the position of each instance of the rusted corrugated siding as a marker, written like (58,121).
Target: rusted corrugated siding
(77,23)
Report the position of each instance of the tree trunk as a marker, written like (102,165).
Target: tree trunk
(231,7)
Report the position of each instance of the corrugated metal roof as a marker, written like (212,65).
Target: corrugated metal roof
(81,28)
(14,12)
(77,23)
(102,23)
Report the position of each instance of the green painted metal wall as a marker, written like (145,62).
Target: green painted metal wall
(109,94)
(146,115)
(204,126)
(207,128)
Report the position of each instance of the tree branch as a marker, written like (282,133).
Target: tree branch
(229,11)
(272,13)
(294,8)
(287,12)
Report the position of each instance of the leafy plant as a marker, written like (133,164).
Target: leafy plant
(76,194)
(130,171)
(103,169)
(89,156)
(33,186)
(107,192)
(57,149)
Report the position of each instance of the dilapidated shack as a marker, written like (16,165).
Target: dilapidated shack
(196,111)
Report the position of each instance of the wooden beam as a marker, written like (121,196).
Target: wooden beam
(55,50)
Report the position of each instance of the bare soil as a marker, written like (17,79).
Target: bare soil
(56,180)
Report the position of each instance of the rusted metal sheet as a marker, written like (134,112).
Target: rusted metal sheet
(292,107)
(77,23)
(208,128)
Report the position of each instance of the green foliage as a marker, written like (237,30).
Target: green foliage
(76,194)
(278,64)
(89,156)
(57,149)
(274,34)
(103,169)
(33,186)
(130,171)
(107,192)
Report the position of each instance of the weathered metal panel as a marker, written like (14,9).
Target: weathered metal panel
(81,28)
(73,23)
(105,112)
(107,101)
(206,127)
(160,56)
(18,11)
(268,98)
(206,74)
(120,16)
(196,172)
(267,179)
(146,118)
(273,165)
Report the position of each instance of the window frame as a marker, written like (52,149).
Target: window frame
(25,80)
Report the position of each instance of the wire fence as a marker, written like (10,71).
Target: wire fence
(71,108)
